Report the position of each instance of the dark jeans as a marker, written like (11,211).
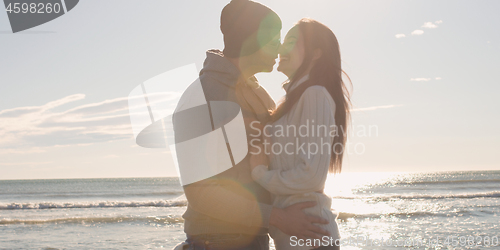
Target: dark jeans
(227,242)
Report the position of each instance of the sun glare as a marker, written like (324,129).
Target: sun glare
(349,189)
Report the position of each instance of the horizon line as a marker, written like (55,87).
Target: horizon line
(357,172)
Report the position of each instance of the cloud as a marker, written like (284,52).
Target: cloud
(111,156)
(62,101)
(429,25)
(423,79)
(417,32)
(24,128)
(16,112)
(25,163)
(375,108)
(22,151)
(420,79)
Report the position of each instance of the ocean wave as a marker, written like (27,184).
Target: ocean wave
(494,194)
(101,204)
(437,182)
(345,216)
(85,194)
(183,202)
(91,220)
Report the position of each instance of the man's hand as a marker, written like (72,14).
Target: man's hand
(294,222)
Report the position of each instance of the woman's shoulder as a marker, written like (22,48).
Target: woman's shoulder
(316,94)
(315,89)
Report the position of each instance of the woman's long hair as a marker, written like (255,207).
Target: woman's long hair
(326,72)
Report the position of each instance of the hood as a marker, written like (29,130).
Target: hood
(219,68)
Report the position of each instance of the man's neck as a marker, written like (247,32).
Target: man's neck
(245,72)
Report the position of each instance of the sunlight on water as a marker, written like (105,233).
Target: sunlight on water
(345,188)
(416,206)
(140,213)
(343,185)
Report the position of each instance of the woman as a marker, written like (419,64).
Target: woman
(317,99)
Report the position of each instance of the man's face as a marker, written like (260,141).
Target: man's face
(264,59)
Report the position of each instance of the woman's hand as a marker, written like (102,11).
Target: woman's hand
(258,156)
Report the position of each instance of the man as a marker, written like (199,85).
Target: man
(230,210)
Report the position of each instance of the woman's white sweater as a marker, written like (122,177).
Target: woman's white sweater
(300,153)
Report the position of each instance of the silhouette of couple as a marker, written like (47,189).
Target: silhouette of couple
(272,192)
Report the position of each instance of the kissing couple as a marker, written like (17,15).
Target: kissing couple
(277,189)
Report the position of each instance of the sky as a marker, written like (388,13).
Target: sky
(424,73)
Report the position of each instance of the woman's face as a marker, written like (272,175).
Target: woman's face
(291,53)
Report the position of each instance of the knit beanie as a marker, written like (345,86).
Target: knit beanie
(247,26)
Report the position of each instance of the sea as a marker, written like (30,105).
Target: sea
(441,210)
